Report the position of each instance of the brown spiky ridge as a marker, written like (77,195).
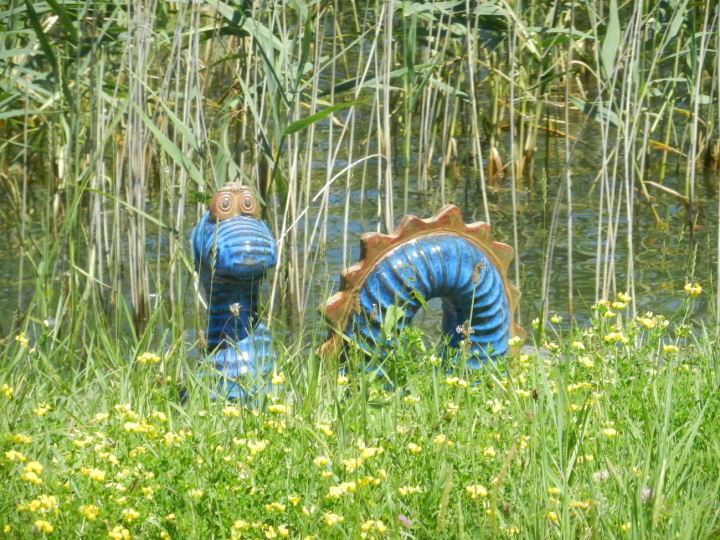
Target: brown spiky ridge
(375,246)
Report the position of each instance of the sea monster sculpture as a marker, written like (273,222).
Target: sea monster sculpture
(422,259)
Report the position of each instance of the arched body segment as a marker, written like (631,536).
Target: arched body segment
(440,257)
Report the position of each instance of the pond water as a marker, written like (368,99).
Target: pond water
(664,258)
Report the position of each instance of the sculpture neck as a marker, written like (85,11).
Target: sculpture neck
(232,310)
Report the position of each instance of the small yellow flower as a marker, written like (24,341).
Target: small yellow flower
(556,319)
(14,455)
(324,429)
(294,500)
(476,491)
(44,526)
(352,463)
(231,411)
(321,461)
(34,467)
(119,533)
(515,341)
(451,409)
(411,399)
(7,391)
(489,452)
(624,297)
(148,357)
(586,362)
(164,535)
(278,379)
(626,526)
(618,305)
(283,531)
(578,345)
(342,380)
(554,490)
(552,516)
(41,409)
(94,474)
(610,432)
(275,507)
(90,511)
(32,478)
(692,290)
(583,505)
(278,408)
(22,340)
(414,448)
(195,493)
(130,515)
(671,348)
(241,525)
(331,519)
(21,438)
(409,490)
(372,451)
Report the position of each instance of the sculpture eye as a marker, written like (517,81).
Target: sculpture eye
(225,203)
(248,204)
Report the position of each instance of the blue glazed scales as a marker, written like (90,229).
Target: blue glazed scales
(439,257)
(233,250)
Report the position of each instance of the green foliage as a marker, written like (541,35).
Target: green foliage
(609,432)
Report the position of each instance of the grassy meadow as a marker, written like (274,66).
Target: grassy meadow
(119,119)
(611,432)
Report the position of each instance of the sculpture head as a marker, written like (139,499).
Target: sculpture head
(231,243)
(233,200)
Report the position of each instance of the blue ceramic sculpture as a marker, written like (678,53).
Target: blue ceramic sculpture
(440,257)
(233,251)
(423,259)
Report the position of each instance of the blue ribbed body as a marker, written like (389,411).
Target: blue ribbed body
(438,266)
(232,258)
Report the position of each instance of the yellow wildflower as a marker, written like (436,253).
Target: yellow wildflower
(21,438)
(489,452)
(624,297)
(552,516)
(90,511)
(476,491)
(14,455)
(283,531)
(610,432)
(22,340)
(331,519)
(278,379)
(231,411)
(586,362)
(554,490)
(352,463)
(626,526)
(321,461)
(119,533)
(195,493)
(342,380)
(44,526)
(411,399)
(372,451)
(414,448)
(130,515)
(148,357)
(514,341)
(241,525)
(278,408)
(94,474)
(294,500)
(692,290)
(275,507)
(409,490)
(324,429)
(556,319)
(7,391)
(671,348)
